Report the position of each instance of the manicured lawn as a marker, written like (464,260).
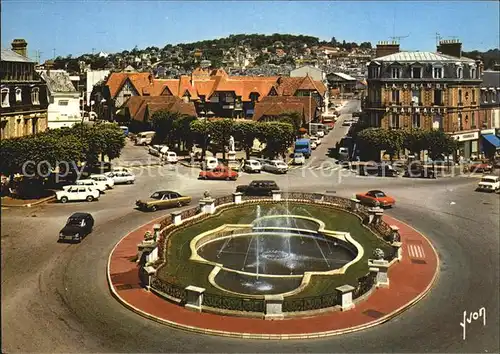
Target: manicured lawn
(182,272)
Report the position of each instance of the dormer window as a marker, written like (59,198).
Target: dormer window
(374,72)
(473,73)
(19,96)
(396,72)
(416,72)
(460,72)
(35,96)
(5,97)
(437,72)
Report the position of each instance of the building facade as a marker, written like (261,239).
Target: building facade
(426,90)
(23,93)
(490,112)
(64,108)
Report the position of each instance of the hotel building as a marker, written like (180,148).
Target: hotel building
(426,90)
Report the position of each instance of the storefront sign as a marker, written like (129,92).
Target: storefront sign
(421,86)
(416,110)
(466,136)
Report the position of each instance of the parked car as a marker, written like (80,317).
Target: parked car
(103,178)
(315,139)
(77,193)
(374,197)
(252,166)
(489,184)
(144,138)
(298,158)
(158,150)
(99,185)
(220,172)
(313,145)
(78,226)
(170,157)
(275,166)
(120,169)
(258,188)
(480,167)
(347,123)
(120,177)
(161,200)
(320,133)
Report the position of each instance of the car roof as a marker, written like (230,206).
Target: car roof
(80,215)
(263,181)
(375,191)
(165,192)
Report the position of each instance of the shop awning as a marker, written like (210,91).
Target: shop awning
(493,140)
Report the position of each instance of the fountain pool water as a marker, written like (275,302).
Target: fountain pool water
(279,245)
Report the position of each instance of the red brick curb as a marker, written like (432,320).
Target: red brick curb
(410,280)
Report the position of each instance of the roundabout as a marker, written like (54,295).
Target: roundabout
(375,300)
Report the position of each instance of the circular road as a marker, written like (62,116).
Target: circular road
(55,297)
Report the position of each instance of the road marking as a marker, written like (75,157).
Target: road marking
(416,251)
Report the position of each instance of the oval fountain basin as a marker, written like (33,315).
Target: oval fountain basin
(277,253)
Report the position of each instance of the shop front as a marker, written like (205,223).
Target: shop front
(468,144)
(490,142)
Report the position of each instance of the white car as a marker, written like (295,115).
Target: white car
(170,157)
(313,145)
(316,140)
(252,166)
(121,177)
(103,178)
(99,185)
(158,150)
(299,159)
(77,193)
(275,166)
(489,184)
(320,133)
(120,169)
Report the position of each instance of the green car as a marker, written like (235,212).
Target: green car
(162,200)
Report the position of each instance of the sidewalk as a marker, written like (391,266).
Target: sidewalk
(410,280)
(8,202)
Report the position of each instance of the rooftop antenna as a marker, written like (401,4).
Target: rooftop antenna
(398,38)
(53,53)
(395,38)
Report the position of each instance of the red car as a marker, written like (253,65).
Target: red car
(480,167)
(371,198)
(220,172)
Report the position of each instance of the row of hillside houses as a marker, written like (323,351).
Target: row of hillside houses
(210,93)
(34,100)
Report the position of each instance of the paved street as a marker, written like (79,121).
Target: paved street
(57,296)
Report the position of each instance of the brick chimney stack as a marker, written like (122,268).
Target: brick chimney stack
(386,48)
(20,47)
(452,47)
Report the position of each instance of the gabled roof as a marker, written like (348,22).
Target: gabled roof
(139,81)
(421,57)
(138,106)
(274,106)
(11,56)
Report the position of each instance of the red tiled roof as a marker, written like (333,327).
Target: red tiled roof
(141,107)
(274,106)
(139,81)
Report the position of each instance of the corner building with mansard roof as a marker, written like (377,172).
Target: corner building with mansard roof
(426,90)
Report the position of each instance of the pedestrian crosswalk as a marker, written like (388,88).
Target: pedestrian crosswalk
(416,251)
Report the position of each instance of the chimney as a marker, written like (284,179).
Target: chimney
(386,48)
(452,47)
(20,47)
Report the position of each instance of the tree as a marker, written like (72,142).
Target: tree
(278,137)
(182,130)
(293,117)
(414,140)
(200,130)
(220,131)
(439,143)
(245,132)
(163,125)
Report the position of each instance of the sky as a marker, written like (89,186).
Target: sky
(77,27)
